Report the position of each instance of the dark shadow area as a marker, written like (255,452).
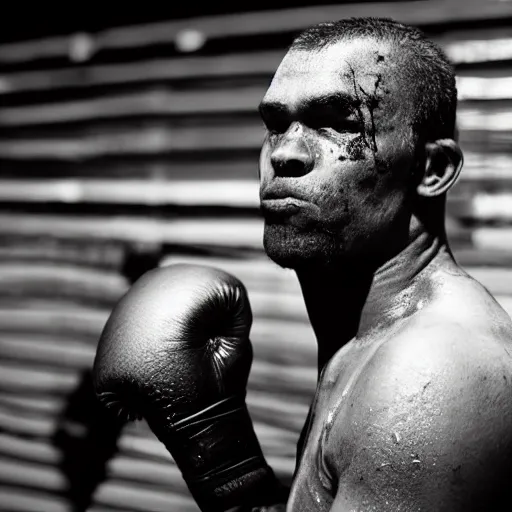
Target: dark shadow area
(87,436)
(62,21)
(87,433)
(139,259)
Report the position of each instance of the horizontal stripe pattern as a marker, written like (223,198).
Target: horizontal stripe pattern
(137,147)
(266,22)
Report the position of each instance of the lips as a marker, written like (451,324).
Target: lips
(281,193)
(278,200)
(286,205)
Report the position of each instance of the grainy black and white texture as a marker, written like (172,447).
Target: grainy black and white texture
(128,142)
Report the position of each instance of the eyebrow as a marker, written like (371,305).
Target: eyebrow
(342,102)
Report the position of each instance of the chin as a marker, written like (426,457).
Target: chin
(290,247)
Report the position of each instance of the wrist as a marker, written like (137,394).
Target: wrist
(219,455)
(244,487)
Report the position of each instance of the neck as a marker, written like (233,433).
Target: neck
(344,303)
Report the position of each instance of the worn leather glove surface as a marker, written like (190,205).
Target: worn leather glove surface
(176,352)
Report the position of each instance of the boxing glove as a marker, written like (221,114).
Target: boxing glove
(176,351)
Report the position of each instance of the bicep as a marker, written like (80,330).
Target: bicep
(428,446)
(360,490)
(383,478)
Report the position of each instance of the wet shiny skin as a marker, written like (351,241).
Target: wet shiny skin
(416,407)
(413,409)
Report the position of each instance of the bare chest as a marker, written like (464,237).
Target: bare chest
(314,484)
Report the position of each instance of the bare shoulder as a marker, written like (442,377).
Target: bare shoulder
(431,418)
(461,336)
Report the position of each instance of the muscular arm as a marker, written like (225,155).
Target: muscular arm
(429,428)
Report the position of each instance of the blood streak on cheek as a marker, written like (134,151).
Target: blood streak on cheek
(352,147)
(349,146)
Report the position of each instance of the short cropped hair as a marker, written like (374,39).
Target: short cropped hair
(426,68)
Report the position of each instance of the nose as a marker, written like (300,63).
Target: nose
(292,158)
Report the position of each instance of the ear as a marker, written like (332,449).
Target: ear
(443,163)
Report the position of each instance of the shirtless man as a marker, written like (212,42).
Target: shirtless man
(413,409)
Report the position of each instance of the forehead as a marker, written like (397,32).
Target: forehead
(352,67)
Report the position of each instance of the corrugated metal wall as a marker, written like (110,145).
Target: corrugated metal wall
(138,146)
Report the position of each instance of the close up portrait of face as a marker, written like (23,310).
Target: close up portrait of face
(337,167)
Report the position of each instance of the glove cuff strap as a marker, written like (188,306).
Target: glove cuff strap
(219,456)
(249,484)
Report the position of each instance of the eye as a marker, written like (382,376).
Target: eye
(341,126)
(329,119)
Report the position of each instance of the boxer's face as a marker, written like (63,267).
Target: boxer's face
(336,164)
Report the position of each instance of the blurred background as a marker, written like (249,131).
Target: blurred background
(130,139)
